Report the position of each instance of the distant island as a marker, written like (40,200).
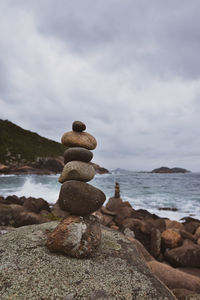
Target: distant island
(26,152)
(169,170)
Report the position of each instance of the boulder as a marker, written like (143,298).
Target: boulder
(174,278)
(14,200)
(77,153)
(36,204)
(79,139)
(192,226)
(197,233)
(58,212)
(78,126)
(114,204)
(77,170)
(155,242)
(80,198)
(171,239)
(172,224)
(75,236)
(117,271)
(183,294)
(188,255)
(123,213)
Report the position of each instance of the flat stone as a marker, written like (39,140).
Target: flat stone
(76,236)
(77,170)
(80,198)
(79,139)
(77,153)
(78,126)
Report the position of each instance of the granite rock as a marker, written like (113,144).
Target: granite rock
(76,237)
(77,153)
(78,126)
(117,270)
(80,198)
(77,170)
(79,139)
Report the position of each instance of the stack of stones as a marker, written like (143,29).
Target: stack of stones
(78,235)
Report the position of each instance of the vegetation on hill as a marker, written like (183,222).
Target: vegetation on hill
(20,146)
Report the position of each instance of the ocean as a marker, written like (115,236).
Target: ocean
(143,190)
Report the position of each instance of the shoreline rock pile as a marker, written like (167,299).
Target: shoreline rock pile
(78,235)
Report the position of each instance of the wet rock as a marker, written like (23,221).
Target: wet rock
(80,198)
(187,235)
(188,255)
(106,211)
(14,200)
(77,153)
(171,239)
(77,170)
(78,126)
(174,278)
(58,212)
(79,139)
(76,236)
(36,204)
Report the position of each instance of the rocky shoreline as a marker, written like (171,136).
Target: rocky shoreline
(44,166)
(170,246)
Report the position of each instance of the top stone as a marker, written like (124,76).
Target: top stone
(78,126)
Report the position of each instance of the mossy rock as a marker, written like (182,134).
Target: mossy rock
(117,271)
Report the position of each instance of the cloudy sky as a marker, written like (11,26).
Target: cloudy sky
(129,69)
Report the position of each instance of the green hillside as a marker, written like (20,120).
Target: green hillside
(19,146)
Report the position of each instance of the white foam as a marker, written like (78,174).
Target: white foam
(31,188)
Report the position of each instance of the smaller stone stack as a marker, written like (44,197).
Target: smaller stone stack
(78,235)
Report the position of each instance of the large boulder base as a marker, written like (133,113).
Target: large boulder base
(30,271)
(80,198)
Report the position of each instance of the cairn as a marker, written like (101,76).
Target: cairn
(78,235)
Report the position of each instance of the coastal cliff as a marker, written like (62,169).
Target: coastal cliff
(26,152)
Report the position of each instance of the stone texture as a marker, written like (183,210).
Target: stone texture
(155,242)
(77,170)
(76,236)
(79,139)
(77,153)
(174,278)
(188,255)
(36,204)
(184,294)
(192,226)
(197,233)
(78,126)
(172,224)
(117,271)
(114,204)
(80,198)
(171,238)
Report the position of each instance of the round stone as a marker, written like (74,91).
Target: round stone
(78,126)
(77,170)
(79,139)
(76,236)
(80,198)
(77,153)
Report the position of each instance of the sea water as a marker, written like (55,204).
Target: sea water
(143,190)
